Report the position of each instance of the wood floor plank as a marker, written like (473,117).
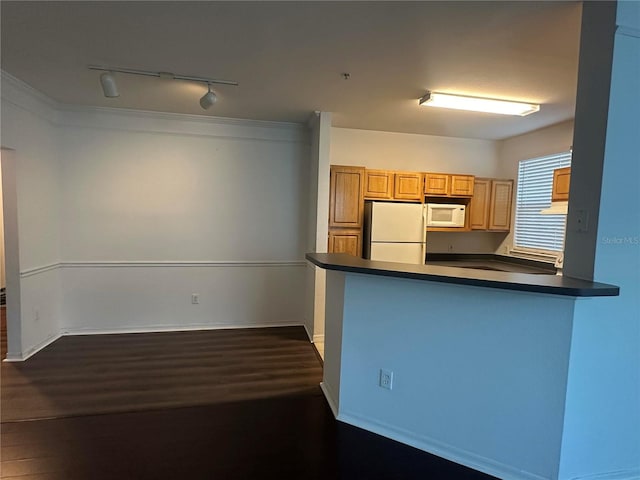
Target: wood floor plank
(284,438)
(232,404)
(79,375)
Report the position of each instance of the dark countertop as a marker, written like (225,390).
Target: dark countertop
(499,263)
(525,282)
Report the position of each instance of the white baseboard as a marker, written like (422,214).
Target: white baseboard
(633,474)
(307,332)
(443,450)
(151,329)
(328,395)
(313,338)
(170,328)
(33,350)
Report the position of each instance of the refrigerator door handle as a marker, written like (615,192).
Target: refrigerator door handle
(424,223)
(424,234)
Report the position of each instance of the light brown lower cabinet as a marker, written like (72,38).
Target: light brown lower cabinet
(345,241)
(491,205)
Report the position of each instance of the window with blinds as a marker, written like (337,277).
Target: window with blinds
(534,230)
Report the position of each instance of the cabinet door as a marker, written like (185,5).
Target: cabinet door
(479,208)
(407,186)
(378,184)
(345,241)
(436,184)
(500,208)
(561,180)
(346,201)
(461,185)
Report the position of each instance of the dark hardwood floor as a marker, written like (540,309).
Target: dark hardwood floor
(83,375)
(225,404)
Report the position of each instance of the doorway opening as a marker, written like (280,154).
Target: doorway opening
(3,281)
(11,327)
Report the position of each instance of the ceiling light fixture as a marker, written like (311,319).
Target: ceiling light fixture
(109,87)
(208,99)
(107,80)
(477,104)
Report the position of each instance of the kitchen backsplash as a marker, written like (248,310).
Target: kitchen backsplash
(467,242)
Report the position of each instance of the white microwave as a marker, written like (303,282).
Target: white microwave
(445,215)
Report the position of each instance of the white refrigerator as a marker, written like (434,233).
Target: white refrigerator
(395,232)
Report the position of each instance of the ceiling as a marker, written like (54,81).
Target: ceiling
(289,57)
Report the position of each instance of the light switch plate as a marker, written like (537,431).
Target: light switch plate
(582,221)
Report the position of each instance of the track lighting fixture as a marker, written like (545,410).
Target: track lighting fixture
(208,99)
(110,89)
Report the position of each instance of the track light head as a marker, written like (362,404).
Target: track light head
(109,87)
(208,99)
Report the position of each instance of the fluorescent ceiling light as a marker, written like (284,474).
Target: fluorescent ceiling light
(477,104)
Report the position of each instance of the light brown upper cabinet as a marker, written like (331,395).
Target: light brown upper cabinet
(561,181)
(461,185)
(479,208)
(436,184)
(448,185)
(491,205)
(500,207)
(345,241)
(378,184)
(346,200)
(407,186)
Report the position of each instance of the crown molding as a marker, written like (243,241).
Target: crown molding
(22,95)
(145,121)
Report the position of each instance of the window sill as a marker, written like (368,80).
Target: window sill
(538,255)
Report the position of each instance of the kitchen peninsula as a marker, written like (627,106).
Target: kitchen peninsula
(471,365)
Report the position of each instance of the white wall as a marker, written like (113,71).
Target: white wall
(479,374)
(124,214)
(3,275)
(318,229)
(418,153)
(28,128)
(546,141)
(602,425)
(182,205)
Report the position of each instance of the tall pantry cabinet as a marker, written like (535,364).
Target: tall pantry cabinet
(346,210)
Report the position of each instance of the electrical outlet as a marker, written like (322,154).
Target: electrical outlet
(36,314)
(386,379)
(195,298)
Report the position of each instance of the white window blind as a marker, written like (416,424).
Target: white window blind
(534,230)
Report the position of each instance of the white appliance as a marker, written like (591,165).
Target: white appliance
(445,215)
(395,232)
